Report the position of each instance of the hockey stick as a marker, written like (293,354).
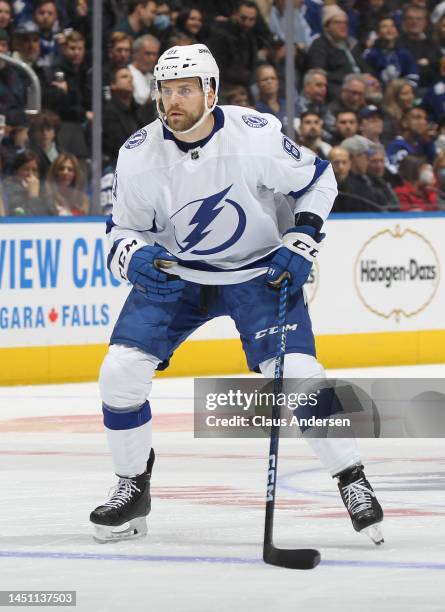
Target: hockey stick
(283,557)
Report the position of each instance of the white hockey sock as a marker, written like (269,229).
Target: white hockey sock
(130,449)
(336,454)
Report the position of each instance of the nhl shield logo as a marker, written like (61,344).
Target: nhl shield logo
(136,139)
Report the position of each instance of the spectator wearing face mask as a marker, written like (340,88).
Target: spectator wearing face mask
(417,192)
(163,25)
(141,15)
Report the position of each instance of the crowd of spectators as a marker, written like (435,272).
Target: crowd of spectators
(370,91)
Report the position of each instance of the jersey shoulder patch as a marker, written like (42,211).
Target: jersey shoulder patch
(255,121)
(136,139)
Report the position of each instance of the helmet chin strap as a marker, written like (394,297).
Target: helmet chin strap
(206,112)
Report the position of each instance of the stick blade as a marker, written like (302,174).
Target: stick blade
(304,559)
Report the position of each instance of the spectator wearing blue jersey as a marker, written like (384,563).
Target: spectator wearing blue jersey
(387,58)
(369,17)
(46,18)
(416,138)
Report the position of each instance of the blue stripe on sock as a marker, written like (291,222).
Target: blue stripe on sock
(119,419)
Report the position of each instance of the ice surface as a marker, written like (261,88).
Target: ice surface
(203,550)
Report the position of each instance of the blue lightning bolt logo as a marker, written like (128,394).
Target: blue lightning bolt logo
(210,207)
(203,217)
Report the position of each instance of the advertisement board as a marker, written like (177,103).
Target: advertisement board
(376,296)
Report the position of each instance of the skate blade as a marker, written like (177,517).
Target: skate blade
(136,528)
(374,532)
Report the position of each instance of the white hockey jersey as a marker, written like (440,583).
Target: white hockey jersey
(220,207)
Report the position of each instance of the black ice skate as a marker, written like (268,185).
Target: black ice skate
(122,517)
(361,502)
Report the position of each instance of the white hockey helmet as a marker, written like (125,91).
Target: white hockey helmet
(182,63)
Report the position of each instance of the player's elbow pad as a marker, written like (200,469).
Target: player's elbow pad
(121,254)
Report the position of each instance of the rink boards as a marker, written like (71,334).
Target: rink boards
(376,298)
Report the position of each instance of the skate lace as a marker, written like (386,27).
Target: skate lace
(358,496)
(121,493)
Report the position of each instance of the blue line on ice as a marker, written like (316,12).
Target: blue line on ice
(24,554)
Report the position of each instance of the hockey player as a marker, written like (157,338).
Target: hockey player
(211,207)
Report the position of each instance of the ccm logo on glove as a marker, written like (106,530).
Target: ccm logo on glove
(303,244)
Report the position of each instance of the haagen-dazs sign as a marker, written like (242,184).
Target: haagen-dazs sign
(397,273)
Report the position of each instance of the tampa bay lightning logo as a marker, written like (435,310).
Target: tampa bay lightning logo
(136,139)
(193,224)
(255,121)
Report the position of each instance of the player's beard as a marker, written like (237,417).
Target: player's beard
(185,122)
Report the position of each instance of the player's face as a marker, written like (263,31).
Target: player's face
(183,101)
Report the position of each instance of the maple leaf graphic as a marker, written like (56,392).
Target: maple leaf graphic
(53,315)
